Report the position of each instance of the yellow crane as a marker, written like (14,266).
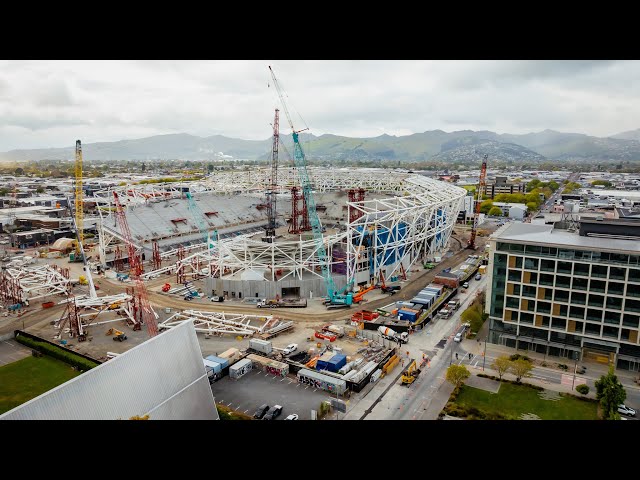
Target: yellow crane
(78,199)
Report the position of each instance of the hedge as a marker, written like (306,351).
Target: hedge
(497,379)
(66,356)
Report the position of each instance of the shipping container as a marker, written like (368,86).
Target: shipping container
(240,368)
(268,365)
(337,362)
(402,304)
(262,346)
(482,270)
(232,354)
(375,376)
(224,362)
(410,315)
(321,381)
(215,366)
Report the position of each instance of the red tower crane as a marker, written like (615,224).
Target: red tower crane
(135,264)
(481,184)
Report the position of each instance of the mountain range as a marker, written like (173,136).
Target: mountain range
(434,145)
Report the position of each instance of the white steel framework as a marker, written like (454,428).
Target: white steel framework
(414,222)
(36,282)
(226,323)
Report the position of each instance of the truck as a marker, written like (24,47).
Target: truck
(335,329)
(283,302)
(364,315)
(453,304)
(445,313)
(390,334)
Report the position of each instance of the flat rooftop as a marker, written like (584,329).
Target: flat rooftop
(548,235)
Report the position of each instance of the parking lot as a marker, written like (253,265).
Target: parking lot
(256,388)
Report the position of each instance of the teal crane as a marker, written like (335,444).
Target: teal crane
(196,213)
(334,298)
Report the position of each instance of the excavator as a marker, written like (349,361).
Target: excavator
(358,297)
(118,335)
(410,374)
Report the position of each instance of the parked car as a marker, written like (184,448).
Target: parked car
(261,411)
(458,337)
(581,369)
(623,409)
(292,347)
(275,411)
(478,277)
(293,416)
(465,285)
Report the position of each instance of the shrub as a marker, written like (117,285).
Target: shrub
(582,389)
(517,356)
(562,366)
(60,353)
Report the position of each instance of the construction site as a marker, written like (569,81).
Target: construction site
(342,258)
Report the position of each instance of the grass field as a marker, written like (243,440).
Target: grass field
(514,400)
(27,378)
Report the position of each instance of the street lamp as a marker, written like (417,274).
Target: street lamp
(575,367)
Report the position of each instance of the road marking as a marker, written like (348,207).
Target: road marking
(315,389)
(283,379)
(298,384)
(246,410)
(476,364)
(229,404)
(290,382)
(306,387)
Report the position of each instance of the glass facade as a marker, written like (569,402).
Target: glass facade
(577,298)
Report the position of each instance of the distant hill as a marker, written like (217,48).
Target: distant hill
(465,145)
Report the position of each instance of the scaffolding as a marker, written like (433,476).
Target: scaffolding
(27,283)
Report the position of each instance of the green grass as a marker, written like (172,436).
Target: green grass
(513,400)
(27,378)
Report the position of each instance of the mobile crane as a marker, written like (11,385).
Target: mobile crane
(481,184)
(334,297)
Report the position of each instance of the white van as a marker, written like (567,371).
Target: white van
(458,337)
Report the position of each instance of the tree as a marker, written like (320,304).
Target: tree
(501,365)
(532,206)
(610,393)
(521,368)
(533,184)
(486,206)
(457,374)
(143,167)
(605,183)
(210,167)
(19,171)
(583,389)
(495,211)
(40,190)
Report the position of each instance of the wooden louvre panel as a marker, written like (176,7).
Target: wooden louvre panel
(512,262)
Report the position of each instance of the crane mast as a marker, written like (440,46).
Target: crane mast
(199,217)
(78,199)
(135,263)
(482,181)
(333,297)
(271,194)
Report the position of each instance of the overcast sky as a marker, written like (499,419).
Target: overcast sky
(53,103)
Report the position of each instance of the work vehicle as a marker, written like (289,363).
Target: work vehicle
(453,304)
(275,303)
(445,313)
(275,411)
(335,329)
(410,374)
(293,416)
(292,347)
(261,411)
(390,334)
(118,335)
(359,296)
(478,277)
(166,287)
(624,410)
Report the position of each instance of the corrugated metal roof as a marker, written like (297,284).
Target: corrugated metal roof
(163,377)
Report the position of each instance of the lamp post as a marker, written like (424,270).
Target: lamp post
(575,367)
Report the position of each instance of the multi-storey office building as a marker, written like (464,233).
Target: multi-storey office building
(502,185)
(567,293)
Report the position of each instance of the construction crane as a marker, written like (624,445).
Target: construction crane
(481,185)
(81,255)
(270,232)
(334,298)
(199,217)
(135,264)
(79,218)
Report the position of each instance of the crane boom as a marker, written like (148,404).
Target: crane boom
(78,198)
(135,263)
(300,162)
(482,181)
(199,217)
(271,194)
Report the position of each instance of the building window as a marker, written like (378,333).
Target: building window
(580,283)
(634,275)
(597,286)
(526,318)
(518,262)
(559,323)
(531,263)
(544,307)
(578,298)
(548,265)
(515,275)
(592,329)
(513,302)
(611,332)
(617,273)
(564,267)
(633,290)
(593,314)
(629,320)
(581,269)
(632,305)
(561,296)
(596,300)
(528,291)
(612,317)
(614,303)
(615,288)
(562,281)
(600,271)
(546,279)
(576,312)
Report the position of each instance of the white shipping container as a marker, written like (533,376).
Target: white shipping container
(375,376)
(240,368)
